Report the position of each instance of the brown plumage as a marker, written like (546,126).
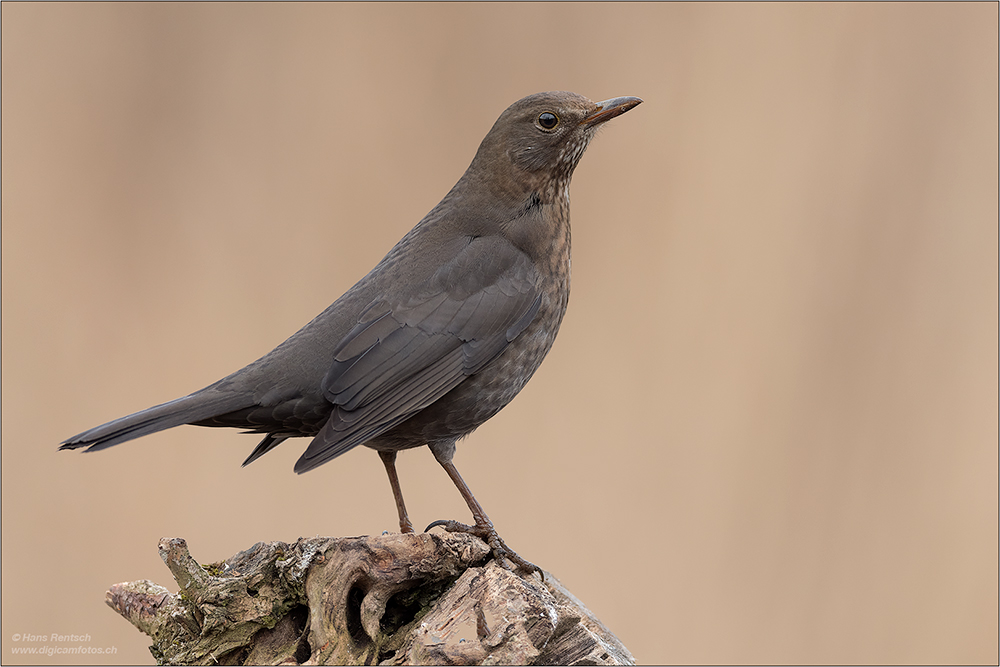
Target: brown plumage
(440,335)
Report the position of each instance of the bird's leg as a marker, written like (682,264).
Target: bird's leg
(389,460)
(484,527)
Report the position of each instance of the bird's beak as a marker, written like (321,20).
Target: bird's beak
(609,109)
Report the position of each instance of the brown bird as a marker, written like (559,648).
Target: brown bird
(439,336)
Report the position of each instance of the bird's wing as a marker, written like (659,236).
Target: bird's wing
(403,355)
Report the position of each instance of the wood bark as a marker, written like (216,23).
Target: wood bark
(396,599)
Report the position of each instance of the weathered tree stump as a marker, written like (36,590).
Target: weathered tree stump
(393,599)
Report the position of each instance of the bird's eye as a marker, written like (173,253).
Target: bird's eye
(547,120)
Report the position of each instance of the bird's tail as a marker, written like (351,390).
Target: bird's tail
(195,407)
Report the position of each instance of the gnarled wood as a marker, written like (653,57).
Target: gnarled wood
(429,598)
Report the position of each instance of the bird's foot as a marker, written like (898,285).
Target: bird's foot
(488,534)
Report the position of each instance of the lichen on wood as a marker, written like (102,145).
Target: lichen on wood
(428,598)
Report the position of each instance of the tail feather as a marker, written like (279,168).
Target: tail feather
(269,442)
(185,410)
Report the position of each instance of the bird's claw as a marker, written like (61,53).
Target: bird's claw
(451,527)
(501,552)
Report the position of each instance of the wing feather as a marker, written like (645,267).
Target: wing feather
(405,354)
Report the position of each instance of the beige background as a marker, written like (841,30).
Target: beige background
(768,432)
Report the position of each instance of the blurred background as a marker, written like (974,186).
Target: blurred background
(768,431)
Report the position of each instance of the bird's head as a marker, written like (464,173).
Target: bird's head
(539,140)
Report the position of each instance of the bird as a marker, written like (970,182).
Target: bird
(436,339)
